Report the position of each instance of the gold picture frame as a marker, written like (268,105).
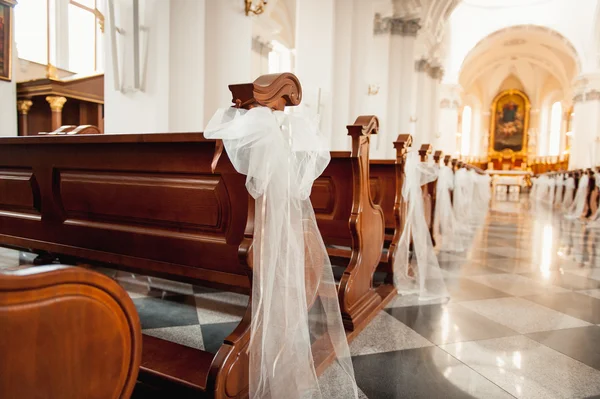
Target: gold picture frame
(6,40)
(509,113)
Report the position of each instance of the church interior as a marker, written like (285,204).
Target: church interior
(299,199)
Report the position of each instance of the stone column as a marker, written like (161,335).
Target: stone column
(228,57)
(56,105)
(585,151)
(23,107)
(401,79)
(315,53)
(407,111)
(436,75)
(422,134)
(449,106)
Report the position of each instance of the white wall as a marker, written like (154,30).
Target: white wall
(140,112)
(315,52)
(187,66)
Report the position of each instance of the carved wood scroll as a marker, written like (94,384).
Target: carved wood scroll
(276,91)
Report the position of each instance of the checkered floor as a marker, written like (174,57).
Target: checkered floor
(523,320)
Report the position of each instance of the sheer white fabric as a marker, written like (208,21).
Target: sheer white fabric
(445,230)
(558,197)
(576,209)
(462,196)
(549,199)
(568,195)
(596,216)
(481,199)
(425,276)
(282,155)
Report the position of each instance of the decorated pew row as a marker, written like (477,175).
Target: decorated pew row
(173,206)
(575,192)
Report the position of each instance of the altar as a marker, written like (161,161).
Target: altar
(507,184)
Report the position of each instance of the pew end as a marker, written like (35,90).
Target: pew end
(54,320)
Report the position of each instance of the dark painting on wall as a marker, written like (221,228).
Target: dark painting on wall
(510,119)
(5,39)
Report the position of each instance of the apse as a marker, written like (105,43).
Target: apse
(512,79)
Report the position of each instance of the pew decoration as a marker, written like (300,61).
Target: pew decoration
(426,278)
(445,224)
(294,297)
(575,193)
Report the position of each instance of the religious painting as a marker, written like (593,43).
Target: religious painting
(5,38)
(510,119)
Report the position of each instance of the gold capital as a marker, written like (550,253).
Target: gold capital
(56,102)
(23,106)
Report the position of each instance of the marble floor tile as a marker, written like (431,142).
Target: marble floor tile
(581,306)
(563,279)
(333,385)
(465,289)
(384,334)
(420,373)
(413,300)
(171,311)
(587,272)
(579,343)
(528,369)
(592,293)
(220,307)
(442,324)
(184,335)
(514,284)
(467,268)
(214,334)
(522,315)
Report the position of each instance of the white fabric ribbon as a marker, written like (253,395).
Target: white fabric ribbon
(426,278)
(576,209)
(568,196)
(282,155)
(558,197)
(445,224)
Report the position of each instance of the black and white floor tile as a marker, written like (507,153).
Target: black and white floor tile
(523,320)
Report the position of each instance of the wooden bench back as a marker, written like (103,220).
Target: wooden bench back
(425,152)
(387,179)
(66,332)
(145,202)
(338,193)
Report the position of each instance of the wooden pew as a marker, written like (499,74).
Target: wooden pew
(448,161)
(68,333)
(166,205)
(428,190)
(352,227)
(387,179)
(71,129)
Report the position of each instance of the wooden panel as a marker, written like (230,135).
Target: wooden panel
(323,195)
(146,199)
(19,191)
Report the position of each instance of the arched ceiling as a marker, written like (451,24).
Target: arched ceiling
(474,20)
(529,52)
(277,22)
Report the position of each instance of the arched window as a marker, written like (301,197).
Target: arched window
(555,125)
(467,120)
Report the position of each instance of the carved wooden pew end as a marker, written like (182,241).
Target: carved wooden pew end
(66,328)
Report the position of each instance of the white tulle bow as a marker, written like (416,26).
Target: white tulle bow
(425,278)
(282,155)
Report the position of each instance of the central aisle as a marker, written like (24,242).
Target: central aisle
(522,320)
